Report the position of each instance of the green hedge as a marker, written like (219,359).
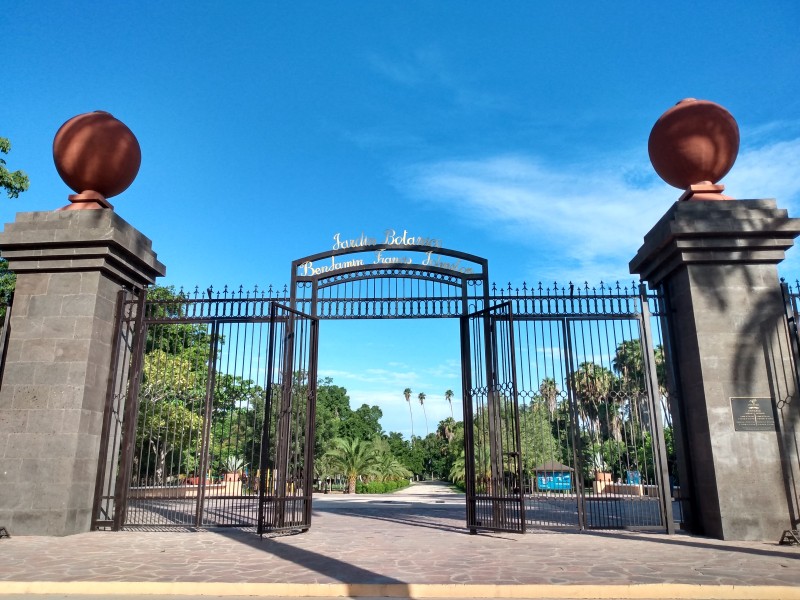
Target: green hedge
(380,487)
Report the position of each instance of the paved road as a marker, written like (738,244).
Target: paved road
(412,543)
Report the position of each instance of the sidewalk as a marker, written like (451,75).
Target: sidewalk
(409,544)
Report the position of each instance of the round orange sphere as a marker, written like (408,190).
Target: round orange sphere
(96,152)
(695,141)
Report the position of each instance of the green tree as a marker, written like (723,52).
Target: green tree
(387,466)
(169,418)
(192,341)
(536,435)
(13,182)
(592,385)
(549,392)
(323,470)
(483,472)
(333,409)
(457,472)
(629,363)
(352,457)
(8,281)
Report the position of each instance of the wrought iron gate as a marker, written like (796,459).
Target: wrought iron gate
(210,416)
(591,409)
(287,446)
(185,415)
(493,467)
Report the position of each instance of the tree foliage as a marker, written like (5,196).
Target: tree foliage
(8,282)
(177,375)
(13,182)
(352,457)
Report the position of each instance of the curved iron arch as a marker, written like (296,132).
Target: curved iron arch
(331,277)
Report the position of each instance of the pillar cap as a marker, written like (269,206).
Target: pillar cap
(710,232)
(80,240)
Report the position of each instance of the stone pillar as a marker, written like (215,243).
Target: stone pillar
(70,266)
(716,264)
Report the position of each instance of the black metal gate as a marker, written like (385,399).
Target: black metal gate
(287,446)
(591,409)
(495,498)
(194,378)
(210,413)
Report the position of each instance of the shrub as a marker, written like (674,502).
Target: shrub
(380,487)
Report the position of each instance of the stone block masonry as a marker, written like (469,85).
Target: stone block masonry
(716,264)
(70,267)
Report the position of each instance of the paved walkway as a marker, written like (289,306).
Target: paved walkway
(409,544)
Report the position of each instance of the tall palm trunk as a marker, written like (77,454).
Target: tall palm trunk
(407,394)
(422,397)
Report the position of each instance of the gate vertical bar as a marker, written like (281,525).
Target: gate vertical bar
(511,346)
(311,413)
(469,431)
(791,322)
(575,428)
(108,456)
(130,417)
(266,425)
(283,430)
(208,411)
(651,379)
(493,415)
(679,436)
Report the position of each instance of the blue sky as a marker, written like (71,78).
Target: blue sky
(516,131)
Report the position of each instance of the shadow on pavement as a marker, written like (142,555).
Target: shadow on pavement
(336,569)
(679,540)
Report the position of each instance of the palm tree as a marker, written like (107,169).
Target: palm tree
(549,391)
(446,429)
(407,394)
(421,397)
(387,465)
(353,457)
(483,477)
(448,395)
(458,470)
(593,384)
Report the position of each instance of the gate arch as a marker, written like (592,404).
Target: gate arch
(407,281)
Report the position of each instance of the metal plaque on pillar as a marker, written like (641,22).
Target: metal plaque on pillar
(752,414)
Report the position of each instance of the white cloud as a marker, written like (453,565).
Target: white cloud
(384,376)
(595,214)
(396,414)
(771,171)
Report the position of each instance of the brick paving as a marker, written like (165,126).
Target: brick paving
(414,537)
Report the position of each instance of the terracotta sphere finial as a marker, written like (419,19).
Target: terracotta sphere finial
(97,156)
(692,146)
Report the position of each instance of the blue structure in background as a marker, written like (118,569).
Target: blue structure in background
(553,476)
(554,481)
(633,477)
